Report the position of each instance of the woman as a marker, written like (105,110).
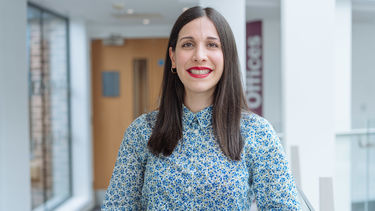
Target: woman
(202,150)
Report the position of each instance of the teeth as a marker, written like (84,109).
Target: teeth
(199,72)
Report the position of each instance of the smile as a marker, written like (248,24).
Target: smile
(199,72)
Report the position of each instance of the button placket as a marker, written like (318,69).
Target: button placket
(192,162)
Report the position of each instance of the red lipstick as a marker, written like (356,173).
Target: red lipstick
(195,75)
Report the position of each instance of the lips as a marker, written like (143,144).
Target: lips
(199,72)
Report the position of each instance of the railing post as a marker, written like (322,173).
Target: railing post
(326,194)
(295,165)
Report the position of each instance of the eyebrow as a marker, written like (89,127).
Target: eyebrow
(191,38)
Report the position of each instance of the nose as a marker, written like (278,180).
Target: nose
(200,54)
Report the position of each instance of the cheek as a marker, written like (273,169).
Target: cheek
(219,61)
(181,59)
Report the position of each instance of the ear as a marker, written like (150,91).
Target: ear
(172,57)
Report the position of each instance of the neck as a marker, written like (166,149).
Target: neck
(197,101)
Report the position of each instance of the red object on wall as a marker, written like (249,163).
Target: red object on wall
(254,66)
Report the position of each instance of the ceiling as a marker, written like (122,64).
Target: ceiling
(104,12)
(165,12)
(159,12)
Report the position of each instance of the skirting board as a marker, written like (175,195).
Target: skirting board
(99,197)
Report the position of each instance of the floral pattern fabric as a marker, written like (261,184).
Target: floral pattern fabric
(198,176)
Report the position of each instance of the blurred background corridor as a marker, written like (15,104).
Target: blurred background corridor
(75,73)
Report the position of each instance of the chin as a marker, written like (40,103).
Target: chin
(200,90)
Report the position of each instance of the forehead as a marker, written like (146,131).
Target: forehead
(199,28)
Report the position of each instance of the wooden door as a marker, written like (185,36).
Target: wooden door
(113,114)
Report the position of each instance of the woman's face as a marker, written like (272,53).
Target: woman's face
(198,57)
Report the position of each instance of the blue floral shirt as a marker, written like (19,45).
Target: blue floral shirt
(198,176)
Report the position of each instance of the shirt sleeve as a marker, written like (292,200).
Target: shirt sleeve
(273,183)
(125,187)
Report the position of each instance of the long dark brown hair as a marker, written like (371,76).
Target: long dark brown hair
(228,101)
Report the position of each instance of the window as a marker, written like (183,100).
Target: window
(50,147)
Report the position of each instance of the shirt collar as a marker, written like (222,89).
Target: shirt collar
(203,116)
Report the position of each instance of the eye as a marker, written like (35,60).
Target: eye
(213,45)
(187,45)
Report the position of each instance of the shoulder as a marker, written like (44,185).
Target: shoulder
(138,133)
(142,126)
(253,122)
(144,121)
(257,131)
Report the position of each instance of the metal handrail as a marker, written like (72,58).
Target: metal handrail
(305,203)
(361,131)
(305,200)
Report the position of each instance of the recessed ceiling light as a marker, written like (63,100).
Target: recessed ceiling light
(146,21)
(130,11)
(118,6)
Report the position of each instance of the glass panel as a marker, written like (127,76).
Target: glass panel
(370,160)
(362,150)
(37,169)
(49,106)
(358,170)
(356,167)
(55,54)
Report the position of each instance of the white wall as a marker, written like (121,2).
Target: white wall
(272,73)
(14,119)
(307,88)
(80,96)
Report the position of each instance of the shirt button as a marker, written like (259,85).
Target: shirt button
(196,132)
(189,188)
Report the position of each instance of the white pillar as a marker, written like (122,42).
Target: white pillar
(235,13)
(307,30)
(342,74)
(343,64)
(14,117)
